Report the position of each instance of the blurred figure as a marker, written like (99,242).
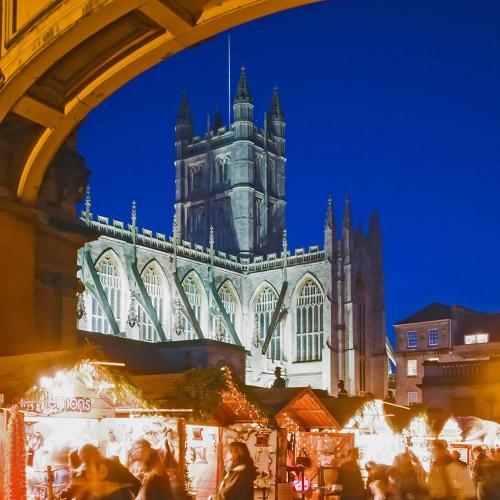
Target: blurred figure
(238,481)
(99,478)
(378,489)
(151,472)
(403,479)
(455,455)
(482,473)
(350,478)
(447,479)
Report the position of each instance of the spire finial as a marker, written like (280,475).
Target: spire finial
(211,239)
(329,219)
(184,115)
(242,90)
(134,213)
(88,205)
(275,111)
(347,222)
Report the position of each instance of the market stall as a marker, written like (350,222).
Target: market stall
(71,403)
(306,431)
(223,411)
(376,437)
(418,435)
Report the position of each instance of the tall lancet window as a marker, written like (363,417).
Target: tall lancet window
(153,284)
(230,303)
(264,309)
(193,294)
(309,316)
(107,270)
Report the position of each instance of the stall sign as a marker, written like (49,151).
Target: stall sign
(58,405)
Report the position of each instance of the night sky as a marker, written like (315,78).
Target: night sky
(396,103)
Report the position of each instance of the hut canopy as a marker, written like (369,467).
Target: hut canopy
(298,405)
(64,381)
(214,394)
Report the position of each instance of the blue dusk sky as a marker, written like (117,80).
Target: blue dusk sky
(396,103)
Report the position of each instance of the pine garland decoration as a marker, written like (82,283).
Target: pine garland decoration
(15,457)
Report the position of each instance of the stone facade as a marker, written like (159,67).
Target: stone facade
(227,274)
(440,334)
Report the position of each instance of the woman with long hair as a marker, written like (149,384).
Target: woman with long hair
(240,474)
(150,471)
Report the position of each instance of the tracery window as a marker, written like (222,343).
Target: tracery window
(222,169)
(309,328)
(153,284)
(193,294)
(107,270)
(230,303)
(264,309)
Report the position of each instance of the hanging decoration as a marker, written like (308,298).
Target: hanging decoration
(15,457)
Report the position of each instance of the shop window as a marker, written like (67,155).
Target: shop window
(411,368)
(412,398)
(477,338)
(433,337)
(411,339)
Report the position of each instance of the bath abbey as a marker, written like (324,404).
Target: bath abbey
(226,272)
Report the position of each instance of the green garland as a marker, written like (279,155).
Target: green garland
(202,391)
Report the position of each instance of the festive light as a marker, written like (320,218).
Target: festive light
(15,458)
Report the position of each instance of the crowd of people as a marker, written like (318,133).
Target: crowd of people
(95,477)
(449,477)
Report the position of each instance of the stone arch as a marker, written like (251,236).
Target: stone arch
(300,283)
(160,297)
(308,305)
(112,41)
(117,291)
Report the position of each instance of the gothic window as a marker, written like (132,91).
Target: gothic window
(222,169)
(107,270)
(195,221)
(309,316)
(153,284)
(193,294)
(263,311)
(230,303)
(195,178)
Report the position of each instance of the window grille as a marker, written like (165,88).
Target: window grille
(433,337)
(309,327)
(411,339)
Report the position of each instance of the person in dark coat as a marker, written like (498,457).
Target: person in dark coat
(238,481)
(350,478)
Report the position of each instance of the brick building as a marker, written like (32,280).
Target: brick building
(440,334)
